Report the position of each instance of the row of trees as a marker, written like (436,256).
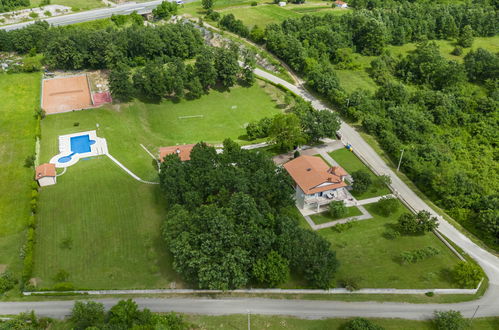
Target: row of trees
(229,222)
(71,48)
(303,124)
(164,77)
(8,5)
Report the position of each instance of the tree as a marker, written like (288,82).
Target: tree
(126,314)
(481,65)
(119,82)
(87,314)
(226,66)
(249,65)
(207,4)
(449,320)
(387,205)
(426,222)
(466,37)
(205,69)
(272,270)
(337,209)
(285,132)
(165,10)
(467,274)
(361,181)
(360,323)
(417,223)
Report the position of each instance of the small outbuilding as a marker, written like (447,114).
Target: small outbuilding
(46,174)
(183,151)
(282,3)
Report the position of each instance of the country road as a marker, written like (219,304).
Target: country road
(85,16)
(489,303)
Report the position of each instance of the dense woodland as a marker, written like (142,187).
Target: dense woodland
(444,114)
(230,222)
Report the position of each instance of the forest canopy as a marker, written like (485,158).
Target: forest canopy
(230,222)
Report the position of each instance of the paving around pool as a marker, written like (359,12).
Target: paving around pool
(73,147)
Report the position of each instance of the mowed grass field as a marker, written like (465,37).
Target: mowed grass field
(113,225)
(113,221)
(276,322)
(324,217)
(20,96)
(224,115)
(373,260)
(351,163)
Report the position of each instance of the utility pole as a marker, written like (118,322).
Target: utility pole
(249,320)
(400,160)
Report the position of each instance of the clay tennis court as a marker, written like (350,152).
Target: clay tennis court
(66,94)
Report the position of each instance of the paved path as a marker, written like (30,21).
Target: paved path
(133,175)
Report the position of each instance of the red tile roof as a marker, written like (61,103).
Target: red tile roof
(183,151)
(45,170)
(312,174)
(340,3)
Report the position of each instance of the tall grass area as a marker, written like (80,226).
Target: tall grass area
(126,126)
(20,96)
(372,260)
(76,5)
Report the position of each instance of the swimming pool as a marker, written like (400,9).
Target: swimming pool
(79,145)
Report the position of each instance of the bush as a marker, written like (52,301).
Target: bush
(408,257)
(337,209)
(430,294)
(467,274)
(75,124)
(296,154)
(387,205)
(341,227)
(63,286)
(254,3)
(391,234)
(449,320)
(361,181)
(61,276)
(214,15)
(360,323)
(419,223)
(350,283)
(33,15)
(32,221)
(7,281)
(87,314)
(34,205)
(458,51)
(34,194)
(259,129)
(29,161)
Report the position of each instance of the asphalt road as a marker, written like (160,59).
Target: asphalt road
(489,304)
(91,15)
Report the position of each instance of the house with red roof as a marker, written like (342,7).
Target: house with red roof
(316,183)
(45,174)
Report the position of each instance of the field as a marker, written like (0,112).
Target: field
(326,217)
(155,125)
(76,5)
(351,163)
(20,95)
(112,221)
(233,322)
(372,260)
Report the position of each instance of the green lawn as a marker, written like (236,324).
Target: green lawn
(154,125)
(366,255)
(351,163)
(351,80)
(113,224)
(113,220)
(76,5)
(20,96)
(326,217)
(274,322)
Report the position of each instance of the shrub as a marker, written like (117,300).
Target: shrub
(47,13)
(33,15)
(458,51)
(66,243)
(75,124)
(87,314)
(34,185)
(296,154)
(361,181)
(419,223)
(7,281)
(341,227)
(34,205)
(391,234)
(449,320)
(467,274)
(61,276)
(34,194)
(387,205)
(254,3)
(414,256)
(32,221)
(29,161)
(63,286)
(430,294)
(360,323)
(350,283)
(259,129)
(214,15)
(337,209)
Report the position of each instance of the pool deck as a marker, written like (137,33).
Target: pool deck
(98,148)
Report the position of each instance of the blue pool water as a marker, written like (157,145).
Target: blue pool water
(79,145)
